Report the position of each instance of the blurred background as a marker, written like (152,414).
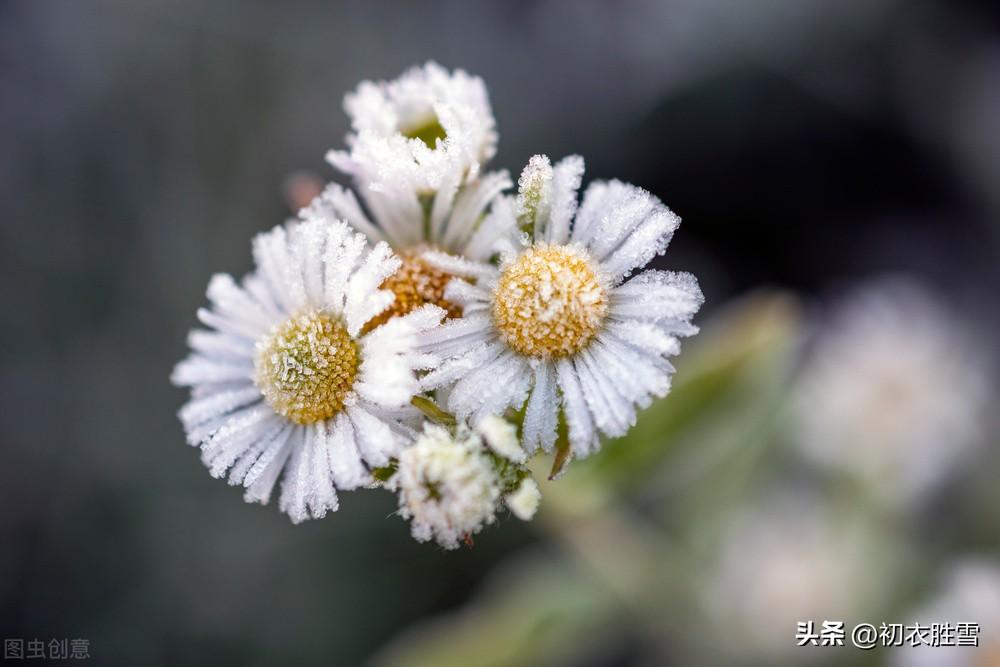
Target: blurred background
(829,451)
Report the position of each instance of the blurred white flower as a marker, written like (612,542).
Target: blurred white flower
(557,318)
(782,562)
(415,159)
(894,392)
(285,382)
(971,594)
(450,487)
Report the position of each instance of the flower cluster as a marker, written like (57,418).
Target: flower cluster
(431,332)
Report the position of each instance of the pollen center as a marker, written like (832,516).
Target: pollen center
(549,302)
(415,283)
(306,368)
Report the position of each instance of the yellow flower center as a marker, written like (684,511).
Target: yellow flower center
(428,132)
(550,302)
(415,283)
(305,369)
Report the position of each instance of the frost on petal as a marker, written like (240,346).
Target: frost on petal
(534,196)
(375,440)
(566,178)
(541,414)
(494,232)
(582,434)
(470,206)
(364,299)
(345,460)
(626,227)
(657,296)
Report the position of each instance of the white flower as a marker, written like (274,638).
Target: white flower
(415,159)
(523,502)
(785,561)
(971,594)
(450,483)
(894,392)
(286,382)
(439,120)
(447,486)
(557,318)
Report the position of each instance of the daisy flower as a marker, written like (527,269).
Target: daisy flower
(894,393)
(442,119)
(285,382)
(556,327)
(415,157)
(451,482)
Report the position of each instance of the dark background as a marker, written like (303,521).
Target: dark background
(806,144)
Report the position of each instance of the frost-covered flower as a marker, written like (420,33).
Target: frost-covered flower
(451,482)
(784,561)
(415,158)
(894,391)
(970,595)
(286,382)
(440,121)
(557,318)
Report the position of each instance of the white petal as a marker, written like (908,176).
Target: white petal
(455,368)
(500,224)
(247,459)
(345,460)
(579,420)
(646,336)
(342,253)
(469,297)
(612,412)
(458,334)
(374,438)
(470,206)
(217,405)
(197,369)
(235,304)
(541,415)
(337,202)
(324,496)
(217,344)
(492,388)
(364,299)
(263,475)
(566,177)
(657,295)
(295,484)
(459,266)
(219,456)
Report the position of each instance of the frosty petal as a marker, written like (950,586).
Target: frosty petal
(582,436)
(657,296)
(566,177)
(540,416)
